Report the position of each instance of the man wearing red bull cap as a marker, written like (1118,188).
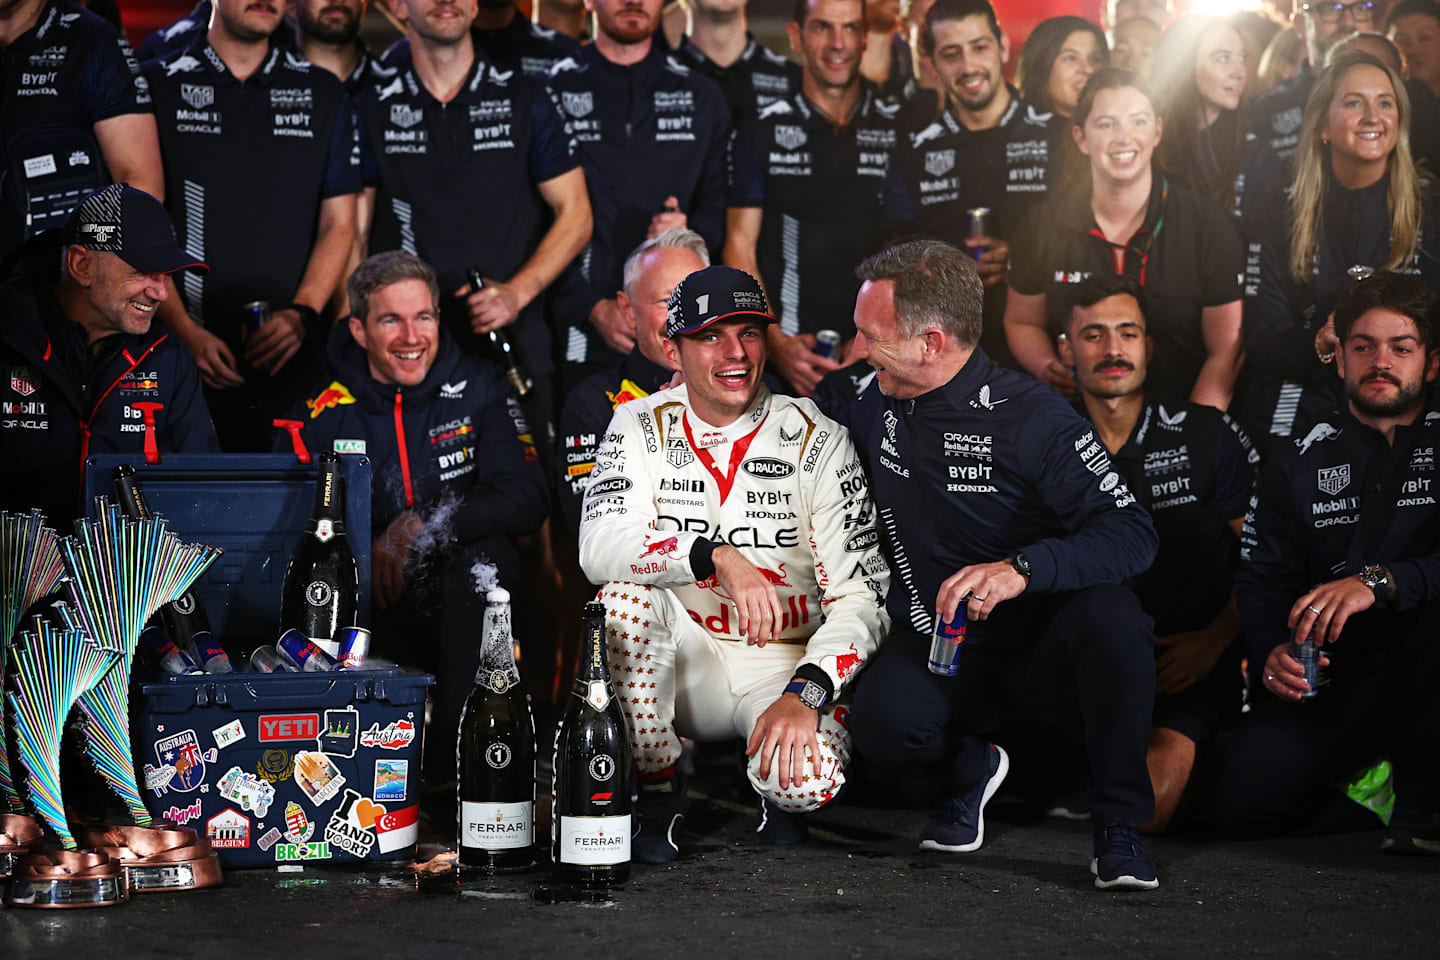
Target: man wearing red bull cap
(743,584)
(82,368)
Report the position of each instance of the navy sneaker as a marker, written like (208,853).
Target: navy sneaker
(779,828)
(957,823)
(1121,862)
(1412,832)
(659,818)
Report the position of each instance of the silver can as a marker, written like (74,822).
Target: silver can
(977,224)
(256,315)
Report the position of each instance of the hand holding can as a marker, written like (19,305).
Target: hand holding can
(947,643)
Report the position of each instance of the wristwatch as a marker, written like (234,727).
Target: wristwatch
(811,693)
(1377,578)
(1021,565)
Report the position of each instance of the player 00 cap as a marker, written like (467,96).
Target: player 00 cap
(713,294)
(130,224)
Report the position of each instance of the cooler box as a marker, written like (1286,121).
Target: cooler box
(287,768)
(254,506)
(273,768)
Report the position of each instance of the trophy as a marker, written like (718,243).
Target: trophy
(118,572)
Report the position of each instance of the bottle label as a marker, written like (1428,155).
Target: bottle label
(185,605)
(498,680)
(597,695)
(324,529)
(595,841)
(318,593)
(497,755)
(497,826)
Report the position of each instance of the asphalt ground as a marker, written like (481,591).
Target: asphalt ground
(859,888)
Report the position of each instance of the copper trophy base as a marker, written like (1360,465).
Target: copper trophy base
(158,859)
(61,880)
(19,835)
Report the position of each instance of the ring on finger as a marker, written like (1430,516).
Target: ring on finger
(975,596)
(1313,610)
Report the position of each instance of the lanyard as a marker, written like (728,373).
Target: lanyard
(1129,247)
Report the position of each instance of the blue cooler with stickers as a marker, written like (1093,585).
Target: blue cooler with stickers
(287,768)
(273,768)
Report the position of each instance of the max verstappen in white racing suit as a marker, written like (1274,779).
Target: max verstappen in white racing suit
(743,581)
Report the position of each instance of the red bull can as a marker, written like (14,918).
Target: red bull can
(947,643)
(209,654)
(1307,654)
(827,344)
(173,660)
(977,224)
(266,660)
(303,654)
(354,647)
(256,314)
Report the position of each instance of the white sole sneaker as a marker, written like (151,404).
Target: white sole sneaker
(1126,882)
(990,788)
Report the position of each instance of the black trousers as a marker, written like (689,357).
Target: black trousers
(436,628)
(1280,766)
(1089,651)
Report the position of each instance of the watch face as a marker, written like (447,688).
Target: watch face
(813,696)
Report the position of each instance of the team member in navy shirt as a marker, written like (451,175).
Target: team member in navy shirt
(84,368)
(986,148)
(327,33)
(721,46)
(1343,548)
(1191,467)
(74,115)
(651,135)
(1000,507)
(507,38)
(262,174)
(805,184)
(454,482)
(474,168)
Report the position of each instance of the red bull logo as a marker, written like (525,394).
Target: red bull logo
(664,547)
(775,578)
(332,396)
(848,663)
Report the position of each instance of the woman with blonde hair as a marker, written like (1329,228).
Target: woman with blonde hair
(1359,205)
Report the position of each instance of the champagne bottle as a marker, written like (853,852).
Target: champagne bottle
(182,620)
(321,583)
(508,354)
(496,754)
(590,823)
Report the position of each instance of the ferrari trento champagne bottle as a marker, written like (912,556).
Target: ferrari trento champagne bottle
(321,583)
(496,754)
(183,620)
(590,823)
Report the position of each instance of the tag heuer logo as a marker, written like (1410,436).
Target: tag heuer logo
(1287,122)
(939,162)
(22,381)
(1332,480)
(578,104)
(791,138)
(404,115)
(198,95)
(349,446)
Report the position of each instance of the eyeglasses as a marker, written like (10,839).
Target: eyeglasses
(1362,12)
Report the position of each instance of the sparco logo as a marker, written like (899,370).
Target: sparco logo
(863,540)
(768,468)
(613,485)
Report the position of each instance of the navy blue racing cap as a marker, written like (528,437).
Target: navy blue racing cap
(713,294)
(130,224)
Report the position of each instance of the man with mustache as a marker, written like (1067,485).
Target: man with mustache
(262,176)
(1342,548)
(1191,467)
(83,368)
(651,134)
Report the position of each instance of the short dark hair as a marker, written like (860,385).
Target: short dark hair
(1103,286)
(802,7)
(382,270)
(1400,293)
(936,283)
(953,11)
(1406,8)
